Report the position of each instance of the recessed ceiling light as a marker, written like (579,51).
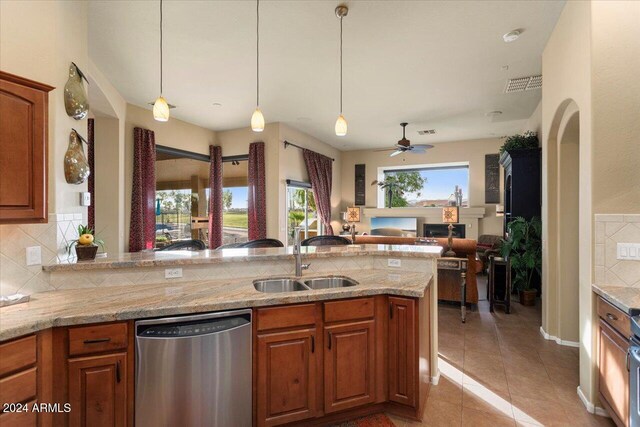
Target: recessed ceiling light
(493,113)
(511,36)
(505,68)
(217,104)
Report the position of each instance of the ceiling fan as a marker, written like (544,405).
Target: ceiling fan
(404,145)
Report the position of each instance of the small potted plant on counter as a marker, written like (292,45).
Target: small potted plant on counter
(86,244)
(523,248)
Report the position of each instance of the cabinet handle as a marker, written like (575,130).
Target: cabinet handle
(97,340)
(329,341)
(627,360)
(390,310)
(118,371)
(313,344)
(611,317)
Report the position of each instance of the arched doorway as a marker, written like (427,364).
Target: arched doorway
(561,227)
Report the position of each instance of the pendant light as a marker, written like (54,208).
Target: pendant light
(161,107)
(341,123)
(257,119)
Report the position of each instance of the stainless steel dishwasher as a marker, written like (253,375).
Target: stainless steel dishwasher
(194,370)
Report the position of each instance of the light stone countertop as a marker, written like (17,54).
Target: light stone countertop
(83,306)
(625,298)
(181,258)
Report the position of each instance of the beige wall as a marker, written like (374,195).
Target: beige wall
(174,133)
(616,106)
(534,123)
(472,152)
(38,40)
(292,166)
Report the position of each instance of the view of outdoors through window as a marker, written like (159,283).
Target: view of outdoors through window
(424,187)
(182,200)
(301,212)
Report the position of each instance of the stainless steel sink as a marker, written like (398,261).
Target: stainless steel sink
(279,285)
(329,282)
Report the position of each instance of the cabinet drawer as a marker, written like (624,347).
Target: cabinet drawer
(97,338)
(19,387)
(286,317)
(17,355)
(353,309)
(19,419)
(616,318)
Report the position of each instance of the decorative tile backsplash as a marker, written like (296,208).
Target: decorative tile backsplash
(15,275)
(611,230)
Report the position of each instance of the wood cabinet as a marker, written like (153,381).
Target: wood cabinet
(94,366)
(349,365)
(23,150)
(98,390)
(287,381)
(402,347)
(613,374)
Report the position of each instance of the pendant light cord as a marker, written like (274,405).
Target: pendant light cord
(341,65)
(160,47)
(257,53)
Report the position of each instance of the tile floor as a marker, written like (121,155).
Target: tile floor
(497,370)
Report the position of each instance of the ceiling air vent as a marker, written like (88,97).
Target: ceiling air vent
(521,84)
(427,132)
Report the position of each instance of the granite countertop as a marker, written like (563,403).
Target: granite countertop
(625,298)
(82,306)
(174,258)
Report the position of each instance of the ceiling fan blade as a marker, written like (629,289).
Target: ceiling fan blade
(385,149)
(420,149)
(395,153)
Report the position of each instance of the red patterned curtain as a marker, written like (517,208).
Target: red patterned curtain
(215,197)
(257,193)
(91,214)
(319,168)
(142,231)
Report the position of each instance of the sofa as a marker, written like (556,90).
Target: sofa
(448,281)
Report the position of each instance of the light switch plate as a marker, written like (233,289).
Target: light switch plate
(628,251)
(394,263)
(85,198)
(172,273)
(34,255)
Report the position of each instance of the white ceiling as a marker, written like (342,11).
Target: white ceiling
(435,64)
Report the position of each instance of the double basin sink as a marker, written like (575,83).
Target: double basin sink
(293,285)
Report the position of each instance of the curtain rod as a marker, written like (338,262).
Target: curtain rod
(287,143)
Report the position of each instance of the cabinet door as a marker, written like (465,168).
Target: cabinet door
(23,150)
(349,369)
(614,377)
(286,377)
(402,351)
(98,391)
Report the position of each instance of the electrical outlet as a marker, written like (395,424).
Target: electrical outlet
(628,251)
(391,262)
(172,273)
(34,255)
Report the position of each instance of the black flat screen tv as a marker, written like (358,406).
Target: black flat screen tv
(394,226)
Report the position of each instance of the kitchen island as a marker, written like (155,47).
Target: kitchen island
(387,321)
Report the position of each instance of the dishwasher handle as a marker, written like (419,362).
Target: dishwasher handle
(191,327)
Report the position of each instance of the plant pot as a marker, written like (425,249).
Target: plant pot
(528,297)
(86,252)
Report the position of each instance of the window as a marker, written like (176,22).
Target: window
(235,202)
(422,185)
(301,212)
(182,197)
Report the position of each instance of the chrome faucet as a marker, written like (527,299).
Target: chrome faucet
(297,253)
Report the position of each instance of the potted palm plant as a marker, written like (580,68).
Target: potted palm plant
(86,244)
(523,248)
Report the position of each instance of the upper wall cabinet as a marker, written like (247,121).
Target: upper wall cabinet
(23,150)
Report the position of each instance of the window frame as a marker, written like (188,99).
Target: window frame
(380,203)
(300,185)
